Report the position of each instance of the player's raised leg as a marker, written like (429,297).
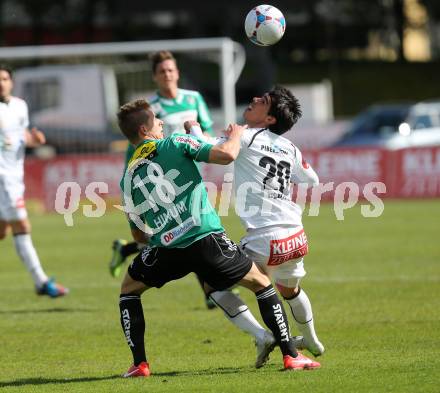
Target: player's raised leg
(118,258)
(123,249)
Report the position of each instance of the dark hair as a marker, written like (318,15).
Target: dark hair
(131,116)
(4,67)
(285,108)
(161,56)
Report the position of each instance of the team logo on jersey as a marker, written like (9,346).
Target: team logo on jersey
(177,232)
(190,141)
(292,247)
(273,149)
(144,151)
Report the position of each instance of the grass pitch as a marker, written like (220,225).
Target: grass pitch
(374,285)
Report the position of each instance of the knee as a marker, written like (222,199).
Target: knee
(126,287)
(263,281)
(132,287)
(259,280)
(287,292)
(22,226)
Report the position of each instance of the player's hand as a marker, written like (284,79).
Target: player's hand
(37,137)
(190,123)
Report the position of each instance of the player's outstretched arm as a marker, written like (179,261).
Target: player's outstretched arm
(193,128)
(34,137)
(227,152)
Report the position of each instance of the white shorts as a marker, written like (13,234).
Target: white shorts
(279,252)
(12,207)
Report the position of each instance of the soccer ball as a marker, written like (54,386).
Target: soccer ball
(265,25)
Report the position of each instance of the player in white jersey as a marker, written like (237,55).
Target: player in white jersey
(263,173)
(14,137)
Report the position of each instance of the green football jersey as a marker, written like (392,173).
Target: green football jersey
(128,154)
(188,105)
(163,189)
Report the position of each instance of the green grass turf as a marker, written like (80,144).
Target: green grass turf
(374,284)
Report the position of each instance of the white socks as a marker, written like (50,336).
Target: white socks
(238,313)
(303,315)
(28,254)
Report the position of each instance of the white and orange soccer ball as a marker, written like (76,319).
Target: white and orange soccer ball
(265,25)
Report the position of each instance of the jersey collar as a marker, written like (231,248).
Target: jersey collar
(171,101)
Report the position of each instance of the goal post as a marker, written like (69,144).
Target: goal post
(231,58)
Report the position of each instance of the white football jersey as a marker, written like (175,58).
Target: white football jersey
(264,170)
(13,122)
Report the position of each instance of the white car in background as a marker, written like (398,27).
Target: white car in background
(395,126)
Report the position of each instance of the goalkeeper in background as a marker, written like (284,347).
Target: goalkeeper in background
(173,106)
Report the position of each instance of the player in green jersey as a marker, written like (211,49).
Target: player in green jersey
(170,103)
(174,106)
(163,189)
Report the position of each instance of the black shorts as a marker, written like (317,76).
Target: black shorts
(215,259)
